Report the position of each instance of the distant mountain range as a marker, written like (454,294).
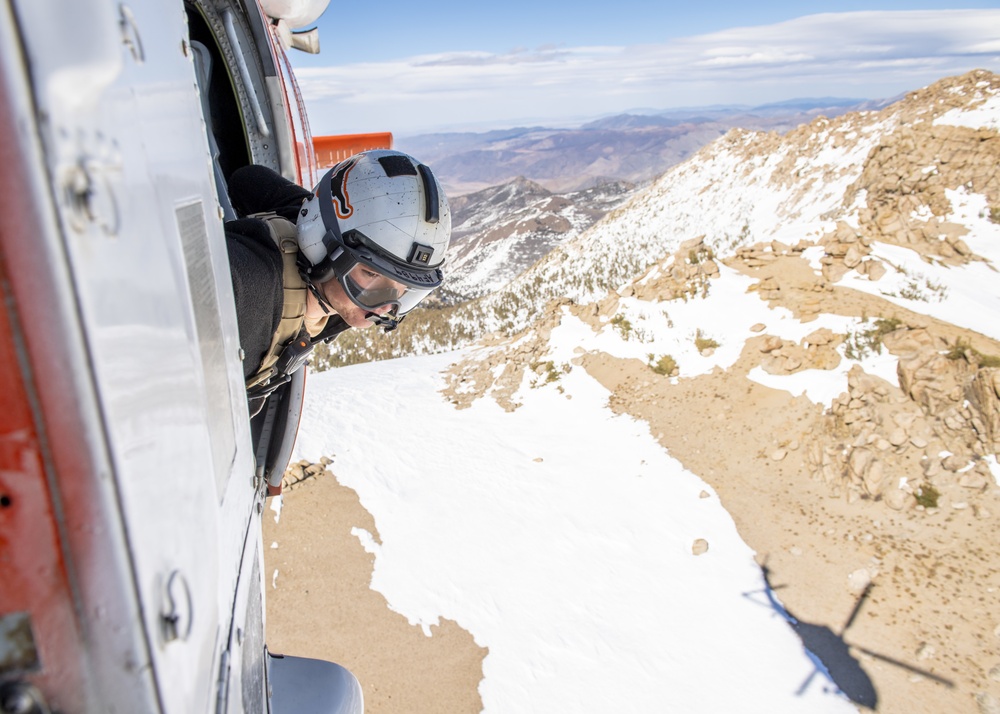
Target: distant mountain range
(635,147)
(502,230)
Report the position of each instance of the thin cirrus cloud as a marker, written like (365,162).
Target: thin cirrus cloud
(858,54)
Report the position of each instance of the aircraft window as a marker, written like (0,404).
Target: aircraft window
(304,155)
(223,119)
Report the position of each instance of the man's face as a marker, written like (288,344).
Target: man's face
(353,315)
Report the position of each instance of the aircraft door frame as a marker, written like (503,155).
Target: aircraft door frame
(119,123)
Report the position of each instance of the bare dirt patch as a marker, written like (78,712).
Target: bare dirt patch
(321,606)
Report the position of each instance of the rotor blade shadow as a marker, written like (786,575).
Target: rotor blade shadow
(908,667)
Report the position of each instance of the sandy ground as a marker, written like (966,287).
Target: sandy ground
(320,605)
(925,638)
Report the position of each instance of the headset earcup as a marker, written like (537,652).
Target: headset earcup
(321,272)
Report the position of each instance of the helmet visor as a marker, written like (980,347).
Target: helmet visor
(371,289)
(371,280)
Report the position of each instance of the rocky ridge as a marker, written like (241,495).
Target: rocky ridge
(501,231)
(893,483)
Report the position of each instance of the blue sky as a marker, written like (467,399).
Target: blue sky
(412,67)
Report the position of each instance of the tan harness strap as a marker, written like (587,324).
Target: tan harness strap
(293,310)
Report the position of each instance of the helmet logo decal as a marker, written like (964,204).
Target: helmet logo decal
(338,189)
(420,254)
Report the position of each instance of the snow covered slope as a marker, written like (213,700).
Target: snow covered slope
(501,231)
(882,173)
(805,328)
(561,537)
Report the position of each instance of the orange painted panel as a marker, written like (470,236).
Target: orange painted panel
(331,150)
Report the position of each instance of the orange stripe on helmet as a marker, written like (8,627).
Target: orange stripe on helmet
(338,189)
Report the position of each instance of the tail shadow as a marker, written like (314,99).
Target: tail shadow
(831,653)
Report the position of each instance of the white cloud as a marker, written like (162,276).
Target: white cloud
(867,54)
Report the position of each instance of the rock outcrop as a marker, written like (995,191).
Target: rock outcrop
(682,275)
(304,470)
(936,426)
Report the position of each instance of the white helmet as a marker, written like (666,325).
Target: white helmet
(377,212)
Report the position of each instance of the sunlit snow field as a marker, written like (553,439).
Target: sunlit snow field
(560,536)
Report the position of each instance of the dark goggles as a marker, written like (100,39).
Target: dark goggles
(372,282)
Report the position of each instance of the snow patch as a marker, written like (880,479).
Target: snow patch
(985,116)
(964,295)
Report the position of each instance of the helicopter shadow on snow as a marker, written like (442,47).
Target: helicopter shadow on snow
(830,652)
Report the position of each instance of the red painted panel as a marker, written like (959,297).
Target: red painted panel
(35,579)
(34,575)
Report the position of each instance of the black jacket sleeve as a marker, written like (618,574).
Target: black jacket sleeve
(254,260)
(256,189)
(255,266)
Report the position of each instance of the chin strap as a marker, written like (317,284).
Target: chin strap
(327,307)
(387,322)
